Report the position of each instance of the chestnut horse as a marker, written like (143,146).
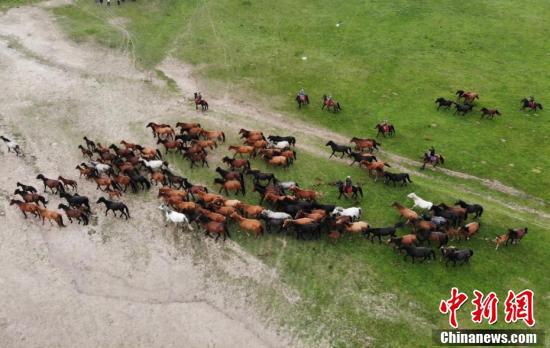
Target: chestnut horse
(468,97)
(361,144)
(489,113)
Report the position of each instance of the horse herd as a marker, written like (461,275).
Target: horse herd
(468,99)
(284,206)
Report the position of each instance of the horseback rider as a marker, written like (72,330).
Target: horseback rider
(302,92)
(432,155)
(348,185)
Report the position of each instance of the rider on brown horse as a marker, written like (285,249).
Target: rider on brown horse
(432,155)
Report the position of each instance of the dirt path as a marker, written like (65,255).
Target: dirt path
(113,283)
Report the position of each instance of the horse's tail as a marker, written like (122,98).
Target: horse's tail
(127,211)
(442,159)
(498,113)
(387,165)
(360,190)
(407,177)
(85,219)
(432,253)
(340,108)
(247,165)
(223,137)
(294,154)
(226,230)
(59,221)
(480,211)
(159,154)
(147,183)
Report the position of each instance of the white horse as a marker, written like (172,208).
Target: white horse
(275,215)
(100,167)
(175,217)
(354,212)
(155,164)
(281,145)
(419,202)
(12,145)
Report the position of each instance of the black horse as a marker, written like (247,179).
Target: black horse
(420,252)
(259,176)
(75,200)
(379,232)
(463,108)
(397,177)
(136,178)
(27,188)
(444,102)
(471,208)
(452,254)
(531,104)
(302,100)
(359,157)
(345,150)
(355,190)
(115,206)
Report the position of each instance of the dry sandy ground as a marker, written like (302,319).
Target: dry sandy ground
(113,283)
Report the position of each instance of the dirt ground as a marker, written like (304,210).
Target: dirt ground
(113,283)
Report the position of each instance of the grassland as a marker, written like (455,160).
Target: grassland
(386,60)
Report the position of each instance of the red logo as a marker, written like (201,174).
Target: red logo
(452,305)
(516,307)
(520,307)
(485,308)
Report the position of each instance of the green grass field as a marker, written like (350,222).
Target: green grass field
(386,60)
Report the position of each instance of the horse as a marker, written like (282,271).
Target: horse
(338,148)
(379,232)
(353,212)
(233,185)
(175,217)
(469,230)
(361,144)
(376,167)
(50,183)
(276,138)
(213,135)
(215,227)
(516,235)
(307,195)
(414,252)
(361,156)
(436,160)
(489,113)
(409,214)
(199,101)
(71,213)
(302,99)
(355,190)
(76,200)
(27,188)
(419,202)
(243,149)
(68,182)
(531,104)
(471,208)
(463,108)
(444,102)
(161,129)
(30,197)
(397,177)
(453,254)
(50,215)
(468,97)
(236,163)
(25,207)
(12,146)
(115,206)
(331,103)
(251,225)
(89,143)
(385,128)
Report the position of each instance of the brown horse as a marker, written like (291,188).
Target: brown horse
(163,130)
(361,144)
(50,183)
(25,207)
(385,129)
(213,135)
(51,216)
(217,228)
(199,101)
(245,133)
(307,195)
(489,113)
(243,149)
(236,163)
(68,182)
(250,225)
(468,97)
(409,214)
(187,126)
(230,185)
(375,167)
(331,103)
(467,231)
